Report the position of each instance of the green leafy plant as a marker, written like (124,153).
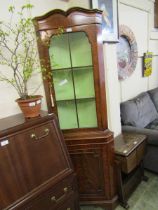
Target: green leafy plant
(18,50)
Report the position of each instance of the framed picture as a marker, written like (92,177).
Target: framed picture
(110,18)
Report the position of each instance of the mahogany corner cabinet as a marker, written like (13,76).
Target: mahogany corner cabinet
(71,50)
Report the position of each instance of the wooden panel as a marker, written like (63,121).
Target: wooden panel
(88,166)
(35,155)
(10,187)
(74,16)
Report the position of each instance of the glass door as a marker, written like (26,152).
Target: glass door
(72,70)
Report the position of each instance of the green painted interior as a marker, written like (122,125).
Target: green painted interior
(63,84)
(67,114)
(87,108)
(84,82)
(59,52)
(80,49)
(71,62)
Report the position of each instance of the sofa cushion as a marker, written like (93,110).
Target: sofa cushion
(154,96)
(139,111)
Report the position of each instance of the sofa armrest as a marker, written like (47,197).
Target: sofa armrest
(152,134)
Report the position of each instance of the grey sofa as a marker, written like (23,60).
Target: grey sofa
(140,115)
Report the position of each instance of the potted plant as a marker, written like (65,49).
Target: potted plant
(19,57)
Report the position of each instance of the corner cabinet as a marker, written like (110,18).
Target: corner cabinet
(70,48)
(35,169)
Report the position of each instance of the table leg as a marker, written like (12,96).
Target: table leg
(123,200)
(144,178)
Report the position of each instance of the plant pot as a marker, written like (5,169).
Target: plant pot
(30,107)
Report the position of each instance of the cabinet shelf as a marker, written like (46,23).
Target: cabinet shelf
(76,99)
(73,68)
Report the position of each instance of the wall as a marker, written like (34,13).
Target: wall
(138,15)
(8,106)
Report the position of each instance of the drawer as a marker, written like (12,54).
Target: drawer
(128,163)
(51,199)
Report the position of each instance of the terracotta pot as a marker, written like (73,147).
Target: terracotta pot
(31,106)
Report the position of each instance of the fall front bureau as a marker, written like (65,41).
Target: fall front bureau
(35,169)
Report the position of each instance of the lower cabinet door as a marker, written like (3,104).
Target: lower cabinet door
(89,167)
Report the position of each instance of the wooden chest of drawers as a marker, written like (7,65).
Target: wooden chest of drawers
(35,169)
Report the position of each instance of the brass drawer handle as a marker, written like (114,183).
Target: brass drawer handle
(65,189)
(46,132)
(53,198)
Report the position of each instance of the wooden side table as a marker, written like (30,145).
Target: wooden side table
(129,153)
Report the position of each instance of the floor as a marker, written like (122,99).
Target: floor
(145,197)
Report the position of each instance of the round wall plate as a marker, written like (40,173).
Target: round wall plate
(127,52)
